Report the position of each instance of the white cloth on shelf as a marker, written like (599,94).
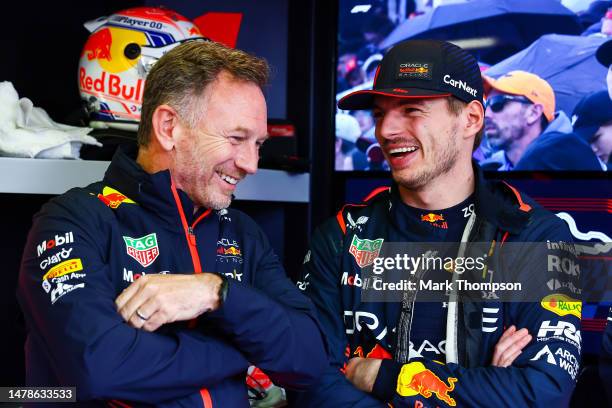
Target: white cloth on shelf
(28,131)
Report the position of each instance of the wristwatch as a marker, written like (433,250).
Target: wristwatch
(223,289)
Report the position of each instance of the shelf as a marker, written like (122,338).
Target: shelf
(48,176)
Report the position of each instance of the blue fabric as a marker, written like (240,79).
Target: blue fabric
(558,151)
(429,319)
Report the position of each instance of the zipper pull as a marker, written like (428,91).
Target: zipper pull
(192,237)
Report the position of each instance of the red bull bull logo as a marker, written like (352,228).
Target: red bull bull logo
(98,46)
(377,351)
(107,45)
(415,379)
(431,217)
(437,220)
(233,251)
(112,198)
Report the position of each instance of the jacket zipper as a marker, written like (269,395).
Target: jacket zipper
(188,229)
(197,265)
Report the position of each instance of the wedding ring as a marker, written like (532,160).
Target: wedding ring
(141,316)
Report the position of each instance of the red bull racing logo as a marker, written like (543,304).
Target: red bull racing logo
(414,70)
(416,379)
(365,250)
(112,198)
(228,250)
(437,220)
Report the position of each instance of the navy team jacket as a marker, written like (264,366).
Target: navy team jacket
(543,375)
(89,244)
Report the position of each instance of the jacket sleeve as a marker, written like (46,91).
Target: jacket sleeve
(320,281)
(72,319)
(543,375)
(272,322)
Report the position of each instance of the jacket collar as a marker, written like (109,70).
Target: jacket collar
(150,191)
(499,204)
(494,202)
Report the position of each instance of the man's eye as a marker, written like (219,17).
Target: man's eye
(236,138)
(411,110)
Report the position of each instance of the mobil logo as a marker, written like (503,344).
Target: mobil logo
(57,241)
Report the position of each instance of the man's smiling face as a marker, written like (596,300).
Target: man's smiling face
(418,138)
(210,160)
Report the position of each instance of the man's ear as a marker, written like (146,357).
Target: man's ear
(534,113)
(165,120)
(474,118)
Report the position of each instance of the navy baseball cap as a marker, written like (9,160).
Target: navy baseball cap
(592,112)
(604,54)
(422,69)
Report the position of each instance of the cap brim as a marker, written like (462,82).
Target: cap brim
(604,54)
(363,100)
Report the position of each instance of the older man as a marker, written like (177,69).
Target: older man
(427,102)
(144,287)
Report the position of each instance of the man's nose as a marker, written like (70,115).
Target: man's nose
(247,158)
(389,126)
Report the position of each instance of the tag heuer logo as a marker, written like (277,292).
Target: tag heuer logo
(365,250)
(143,249)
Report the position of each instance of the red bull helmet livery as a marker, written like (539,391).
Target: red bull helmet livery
(117,57)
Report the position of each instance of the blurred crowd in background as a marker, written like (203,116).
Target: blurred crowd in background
(545,64)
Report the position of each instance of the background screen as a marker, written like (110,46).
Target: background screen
(555,40)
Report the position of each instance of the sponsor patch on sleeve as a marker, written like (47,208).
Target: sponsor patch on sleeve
(63,278)
(562,305)
(57,241)
(64,268)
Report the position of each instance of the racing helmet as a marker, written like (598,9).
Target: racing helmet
(117,57)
